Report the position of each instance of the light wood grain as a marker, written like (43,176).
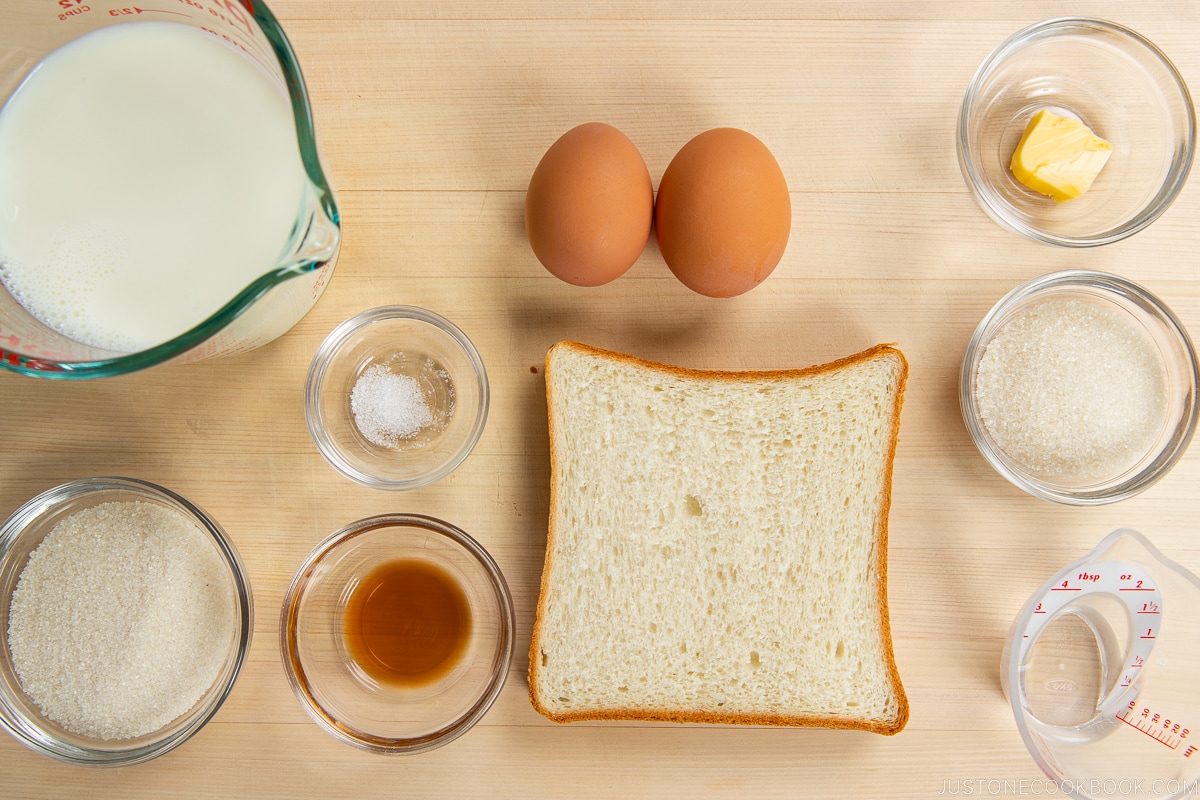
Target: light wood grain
(431,117)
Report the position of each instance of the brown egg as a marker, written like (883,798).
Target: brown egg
(590,205)
(723,213)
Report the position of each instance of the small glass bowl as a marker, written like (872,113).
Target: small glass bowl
(343,698)
(20,536)
(415,344)
(1165,337)
(1118,84)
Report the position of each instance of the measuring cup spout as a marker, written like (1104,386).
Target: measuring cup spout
(318,236)
(320,245)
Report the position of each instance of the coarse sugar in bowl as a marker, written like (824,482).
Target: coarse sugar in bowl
(126,616)
(1080,387)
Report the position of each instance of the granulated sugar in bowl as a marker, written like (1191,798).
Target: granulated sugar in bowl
(1080,387)
(126,615)
(1073,388)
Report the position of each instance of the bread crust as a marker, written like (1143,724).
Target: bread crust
(884,727)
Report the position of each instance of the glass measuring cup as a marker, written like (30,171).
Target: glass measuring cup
(259,310)
(1102,669)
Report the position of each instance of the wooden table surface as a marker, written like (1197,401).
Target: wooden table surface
(431,117)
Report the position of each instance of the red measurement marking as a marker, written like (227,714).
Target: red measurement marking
(1147,636)
(1065,589)
(1150,729)
(1141,589)
(1147,612)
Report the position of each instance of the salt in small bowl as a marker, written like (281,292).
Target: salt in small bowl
(396,398)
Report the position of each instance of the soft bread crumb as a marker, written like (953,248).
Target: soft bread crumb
(717,546)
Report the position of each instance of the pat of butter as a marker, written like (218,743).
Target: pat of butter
(1059,156)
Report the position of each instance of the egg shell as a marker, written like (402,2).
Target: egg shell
(723,214)
(590,205)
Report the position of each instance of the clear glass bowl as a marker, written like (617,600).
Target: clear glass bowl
(411,343)
(1164,336)
(1118,84)
(20,536)
(344,700)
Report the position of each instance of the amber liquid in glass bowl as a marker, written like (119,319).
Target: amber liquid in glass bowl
(407,623)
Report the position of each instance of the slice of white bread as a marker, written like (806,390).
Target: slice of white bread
(717,547)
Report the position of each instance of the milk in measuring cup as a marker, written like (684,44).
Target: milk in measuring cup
(148,173)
